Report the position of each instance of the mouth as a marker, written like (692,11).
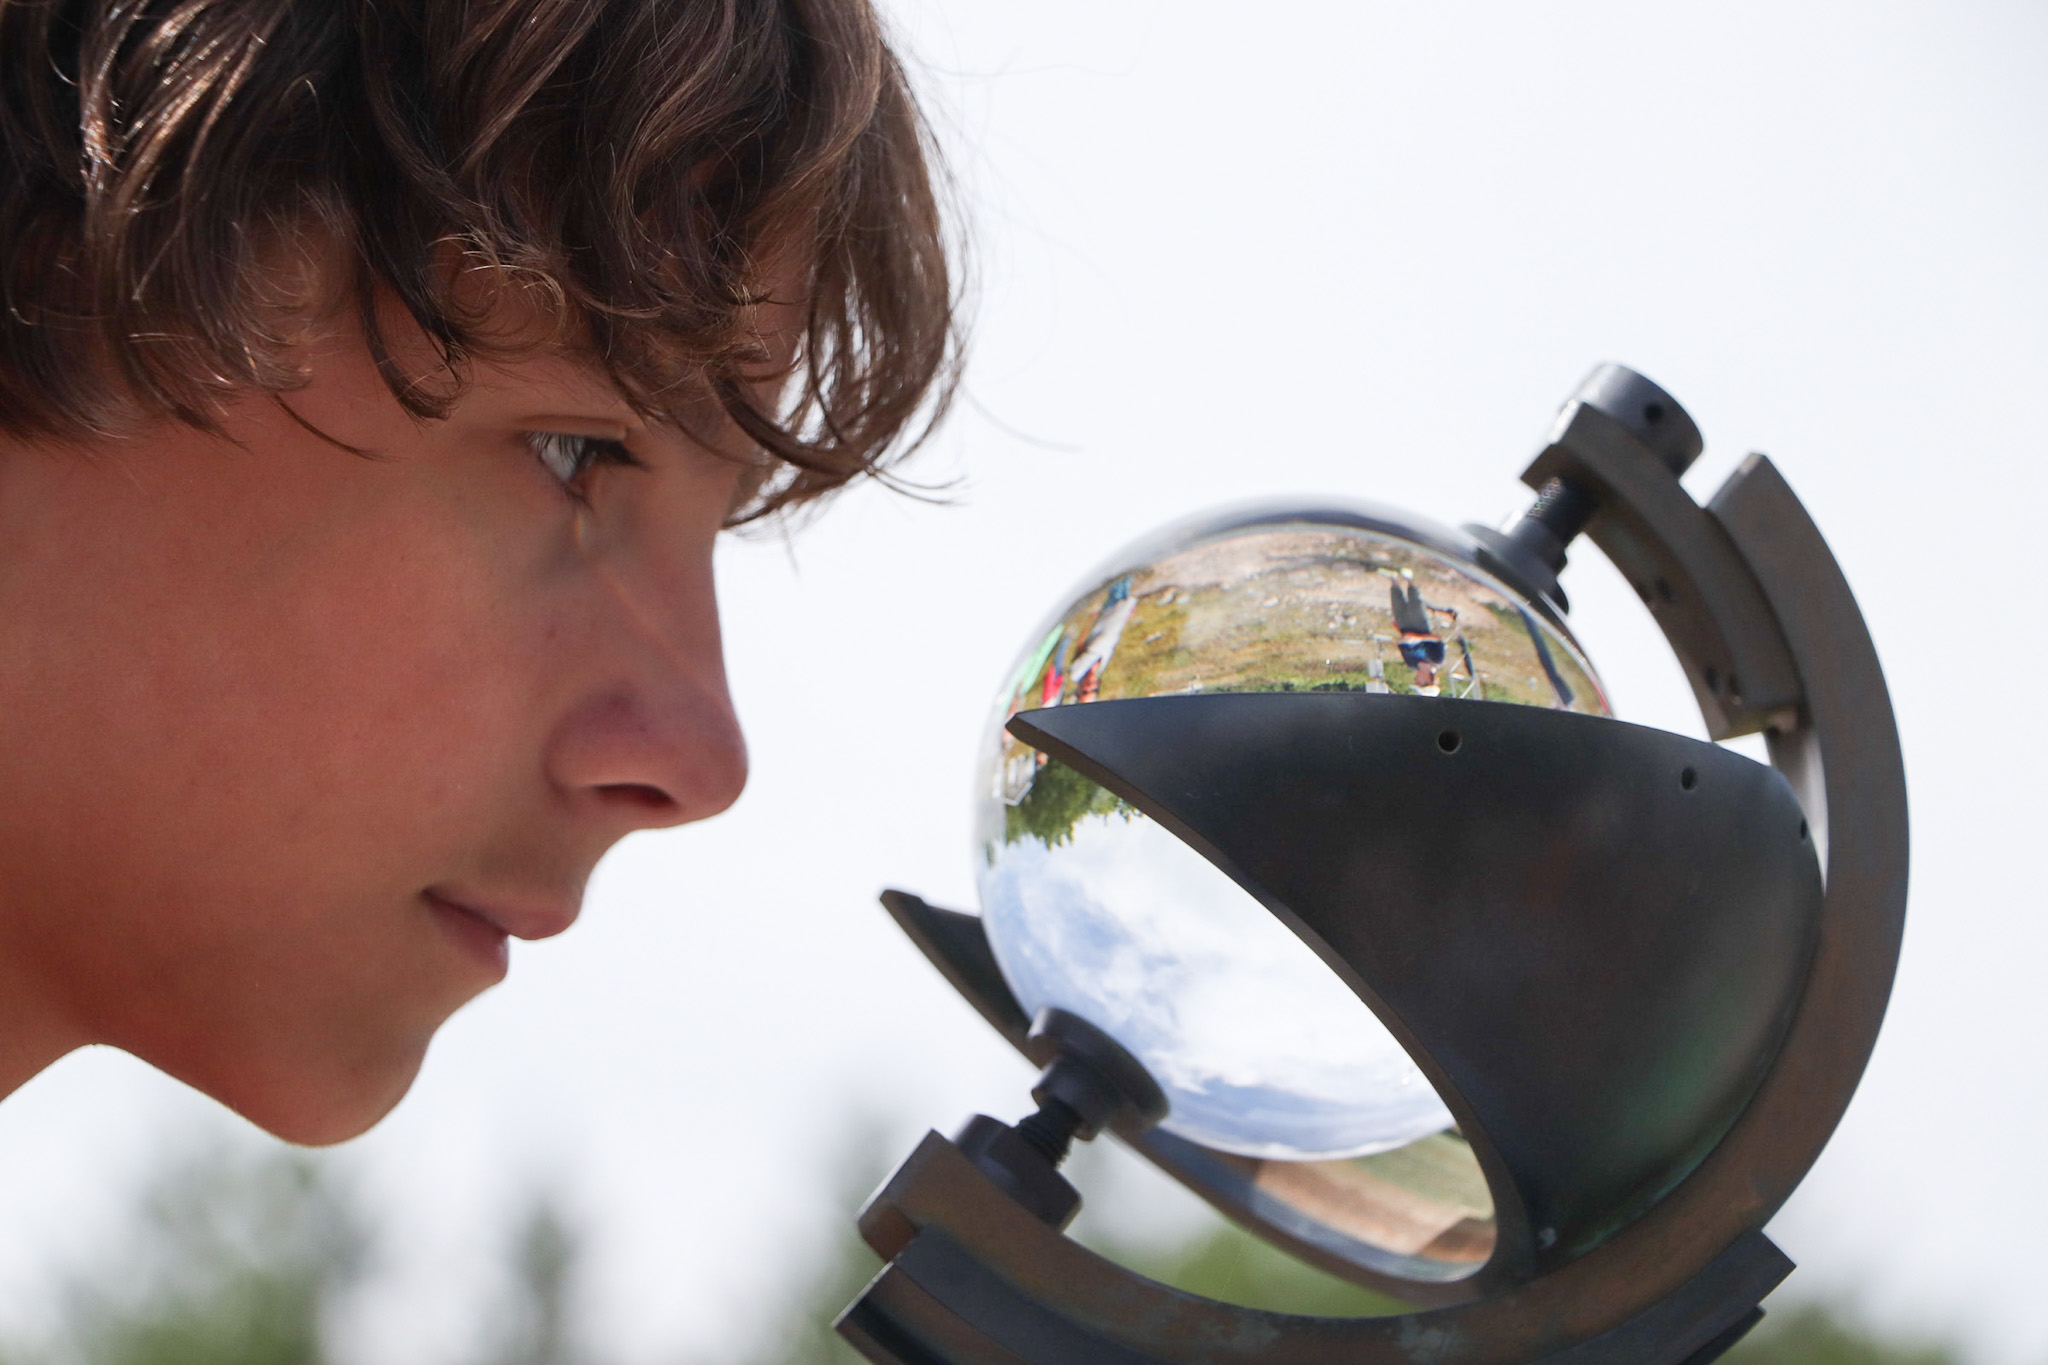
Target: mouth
(484,930)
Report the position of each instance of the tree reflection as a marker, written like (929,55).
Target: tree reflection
(1059,799)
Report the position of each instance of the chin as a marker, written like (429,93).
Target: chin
(316,1102)
(325,1123)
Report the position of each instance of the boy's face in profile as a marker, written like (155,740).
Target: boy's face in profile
(330,726)
(374,381)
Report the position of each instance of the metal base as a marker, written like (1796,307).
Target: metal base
(975,1290)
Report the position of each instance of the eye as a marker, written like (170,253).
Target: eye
(570,458)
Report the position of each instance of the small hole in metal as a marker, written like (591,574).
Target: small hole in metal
(1689,779)
(1449,741)
(1804,832)
(1653,413)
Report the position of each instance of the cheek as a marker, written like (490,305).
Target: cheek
(259,743)
(374,696)
(404,682)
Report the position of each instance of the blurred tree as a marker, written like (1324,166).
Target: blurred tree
(539,1328)
(236,1260)
(233,1263)
(820,1283)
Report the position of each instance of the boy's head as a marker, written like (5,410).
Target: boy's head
(658,171)
(375,377)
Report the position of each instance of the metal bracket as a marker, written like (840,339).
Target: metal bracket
(1684,565)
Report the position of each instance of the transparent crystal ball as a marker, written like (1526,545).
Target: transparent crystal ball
(1261,1048)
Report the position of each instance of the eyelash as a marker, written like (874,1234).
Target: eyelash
(570,458)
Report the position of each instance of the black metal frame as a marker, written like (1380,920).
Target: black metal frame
(1639,1110)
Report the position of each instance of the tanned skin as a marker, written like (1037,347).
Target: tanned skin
(295,738)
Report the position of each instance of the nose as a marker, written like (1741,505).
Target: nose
(652,740)
(641,762)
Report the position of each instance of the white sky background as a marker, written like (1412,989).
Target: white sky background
(1352,248)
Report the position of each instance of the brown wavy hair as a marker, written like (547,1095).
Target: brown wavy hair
(648,164)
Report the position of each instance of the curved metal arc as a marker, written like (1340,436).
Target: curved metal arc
(1844,761)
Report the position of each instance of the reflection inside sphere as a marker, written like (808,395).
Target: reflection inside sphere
(1089,905)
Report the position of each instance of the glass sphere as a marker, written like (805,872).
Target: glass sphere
(1261,1048)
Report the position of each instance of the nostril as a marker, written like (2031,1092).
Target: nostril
(649,760)
(639,795)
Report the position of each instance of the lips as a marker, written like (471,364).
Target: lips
(482,927)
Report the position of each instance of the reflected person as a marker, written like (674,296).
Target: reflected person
(1422,649)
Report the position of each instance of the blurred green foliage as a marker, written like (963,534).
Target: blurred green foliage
(244,1261)
(231,1262)
(540,1327)
(1810,1334)
(240,1260)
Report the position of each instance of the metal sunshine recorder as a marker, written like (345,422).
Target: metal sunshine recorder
(1643,973)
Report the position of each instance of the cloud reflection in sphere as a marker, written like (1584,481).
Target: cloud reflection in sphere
(1090,906)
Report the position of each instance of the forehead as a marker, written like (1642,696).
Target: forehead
(528,343)
(554,380)
(527,353)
